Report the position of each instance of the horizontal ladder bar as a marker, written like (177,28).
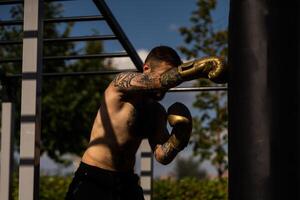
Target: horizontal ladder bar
(11,22)
(196,89)
(112,72)
(71,57)
(56,20)
(91,56)
(75,19)
(11,2)
(67,39)
(10,42)
(70,74)
(81,38)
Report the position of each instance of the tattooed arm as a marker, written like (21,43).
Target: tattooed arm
(160,139)
(211,67)
(167,151)
(140,82)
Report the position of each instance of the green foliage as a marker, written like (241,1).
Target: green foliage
(55,188)
(69,104)
(210,131)
(51,187)
(188,167)
(201,37)
(190,189)
(209,137)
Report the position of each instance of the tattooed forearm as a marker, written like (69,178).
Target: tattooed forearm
(123,80)
(136,82)
(170,78)
(169,152)
(132,81)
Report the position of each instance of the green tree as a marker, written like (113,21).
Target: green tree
(190,189)
(69,104)
(202,38)
(188,167)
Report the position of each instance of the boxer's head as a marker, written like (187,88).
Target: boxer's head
(161,59)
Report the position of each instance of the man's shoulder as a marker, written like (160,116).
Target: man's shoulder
(111,93)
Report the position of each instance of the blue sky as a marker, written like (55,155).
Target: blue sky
(146,24)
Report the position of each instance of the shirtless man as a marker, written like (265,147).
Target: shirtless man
(130,112)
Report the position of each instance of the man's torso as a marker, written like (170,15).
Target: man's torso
(119,127)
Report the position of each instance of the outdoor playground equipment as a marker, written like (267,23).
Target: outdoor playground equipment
(263,97)
(32,76)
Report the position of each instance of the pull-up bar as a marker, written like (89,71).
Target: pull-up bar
(111,72)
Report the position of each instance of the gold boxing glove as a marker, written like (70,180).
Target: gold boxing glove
(213,68)
(180,119)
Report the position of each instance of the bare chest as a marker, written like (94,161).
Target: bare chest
(139,121)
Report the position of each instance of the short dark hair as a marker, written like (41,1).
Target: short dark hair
(163,53)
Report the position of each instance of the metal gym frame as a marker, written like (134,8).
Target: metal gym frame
(32,76)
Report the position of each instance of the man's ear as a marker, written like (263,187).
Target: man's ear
(146,68)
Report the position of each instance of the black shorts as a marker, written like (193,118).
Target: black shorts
(91,183)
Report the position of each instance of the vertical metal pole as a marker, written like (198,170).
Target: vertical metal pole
(249,111)
(31,101)
(146,169)
(264,96)
(7,132)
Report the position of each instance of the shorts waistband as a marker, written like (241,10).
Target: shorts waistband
(103,175)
